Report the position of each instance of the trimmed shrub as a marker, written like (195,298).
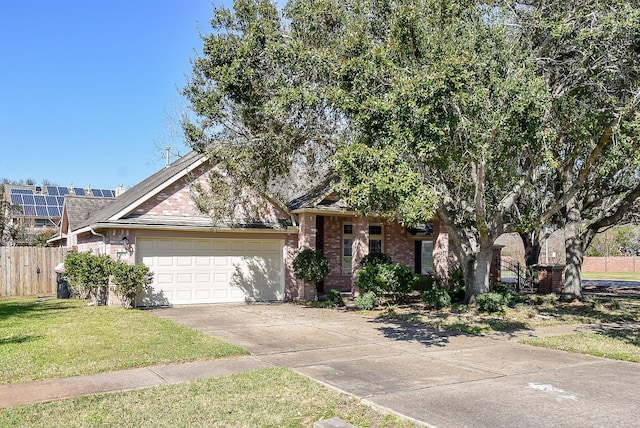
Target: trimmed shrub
(334,297)
(491,302)
(393,281)
(368,280)
(436,298)
(88,276)
(373,259)
(310,265)
(397,280)
(499,287)
(129,281)
(366,301)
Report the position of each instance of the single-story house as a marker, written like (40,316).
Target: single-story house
(196,261)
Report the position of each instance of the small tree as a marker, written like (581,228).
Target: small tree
(88,275)
(310,266)
(129,281)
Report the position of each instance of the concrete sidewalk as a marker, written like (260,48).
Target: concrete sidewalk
(435,378)
(58,389)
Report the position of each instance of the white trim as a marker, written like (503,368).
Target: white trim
(100,226)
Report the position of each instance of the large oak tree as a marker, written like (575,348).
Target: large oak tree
(422,107)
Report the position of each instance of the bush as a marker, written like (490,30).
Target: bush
(499,287)
(366,301)
(491,302)
(129,281)
(397,280)
(373,259)
(88,276)
(334,297)
(436,298)
(393,281)
(455,277)
(310,265)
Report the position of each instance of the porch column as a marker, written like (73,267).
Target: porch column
(360,246)
(308,231)
(307,239)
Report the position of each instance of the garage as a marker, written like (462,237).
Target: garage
(198,271)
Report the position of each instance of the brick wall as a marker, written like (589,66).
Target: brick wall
(611,264)
(396,244)
(175,200)
(398,247)
(333,252)
(291,284)
(308,231)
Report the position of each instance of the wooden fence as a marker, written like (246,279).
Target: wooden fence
(29,271)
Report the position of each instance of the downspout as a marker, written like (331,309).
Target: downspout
(104,239)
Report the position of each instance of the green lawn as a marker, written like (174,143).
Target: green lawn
(51,338)
(614,276)
(615,344)
(540,311)
(273,397)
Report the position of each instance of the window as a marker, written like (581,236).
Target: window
(347,248)
(375,239)
(426,262)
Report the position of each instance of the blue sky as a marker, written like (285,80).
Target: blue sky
(89,89)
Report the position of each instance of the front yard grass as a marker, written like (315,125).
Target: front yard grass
(272,397)
(51,338)
(533,312)
(613,276)
(615,344)
(536,311)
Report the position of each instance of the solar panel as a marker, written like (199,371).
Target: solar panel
(52,190)
(40,200)
(22,191)
(16,199)
(28,199)
(109,193)
(41,211)
(29,210)
(97,192)
(79,191)
(51,200)
(60,200)
(54,211)
(63,191)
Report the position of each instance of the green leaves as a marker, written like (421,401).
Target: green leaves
(310,265)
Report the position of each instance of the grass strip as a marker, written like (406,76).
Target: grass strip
(272,397)
(621,344)
(612,276)
(51,338)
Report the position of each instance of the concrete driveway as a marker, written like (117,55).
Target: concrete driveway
(436,379)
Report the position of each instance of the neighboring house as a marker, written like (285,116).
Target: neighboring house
(34,209)
(195,261)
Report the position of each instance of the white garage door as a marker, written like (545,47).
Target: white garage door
(189,271)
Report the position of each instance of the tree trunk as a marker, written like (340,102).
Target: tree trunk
(532,247)
(572,285)
(475,268)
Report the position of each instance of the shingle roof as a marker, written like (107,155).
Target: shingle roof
(79,209)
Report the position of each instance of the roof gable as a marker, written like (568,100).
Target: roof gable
(135,197)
